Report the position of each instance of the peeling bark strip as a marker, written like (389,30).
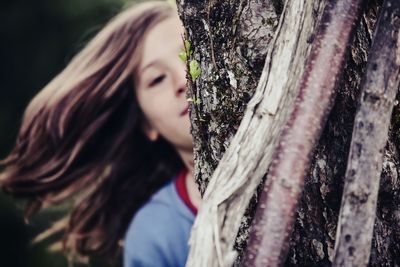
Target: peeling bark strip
(380,85)
(271,230)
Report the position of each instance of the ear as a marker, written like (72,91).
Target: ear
(150,132)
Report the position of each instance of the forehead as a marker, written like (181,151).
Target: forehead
(163,39)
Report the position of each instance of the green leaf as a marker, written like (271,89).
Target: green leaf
(183,56)
(188,47)
(194,69)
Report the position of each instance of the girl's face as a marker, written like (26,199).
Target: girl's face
(161,85)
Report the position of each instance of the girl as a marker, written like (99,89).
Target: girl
(110,132)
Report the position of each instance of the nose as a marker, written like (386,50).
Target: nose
(180,82)
(181,90)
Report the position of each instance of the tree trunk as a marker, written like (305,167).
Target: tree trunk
(231,40)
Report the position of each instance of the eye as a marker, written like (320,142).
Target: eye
(157,80)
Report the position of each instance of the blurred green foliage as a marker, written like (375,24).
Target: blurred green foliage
(38,38)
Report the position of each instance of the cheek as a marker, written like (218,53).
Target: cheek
(158,112)
(148,103)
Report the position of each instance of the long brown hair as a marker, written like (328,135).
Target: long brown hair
(81,138)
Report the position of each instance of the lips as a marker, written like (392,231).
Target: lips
(185,111)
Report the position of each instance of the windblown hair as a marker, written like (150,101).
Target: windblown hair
(81,138)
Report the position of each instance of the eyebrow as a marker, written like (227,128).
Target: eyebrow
(152,63)
(156,61)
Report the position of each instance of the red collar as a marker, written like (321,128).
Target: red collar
(180,184)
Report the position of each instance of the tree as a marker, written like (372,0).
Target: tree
(236,138)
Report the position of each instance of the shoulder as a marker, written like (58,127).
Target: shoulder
(158,233)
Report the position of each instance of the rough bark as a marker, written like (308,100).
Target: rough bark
(370,133)
(230,40)
(313,236)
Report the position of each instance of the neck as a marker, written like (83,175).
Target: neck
(187,158)
(191,186)
(193,190)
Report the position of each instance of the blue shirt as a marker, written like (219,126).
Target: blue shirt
(159,232)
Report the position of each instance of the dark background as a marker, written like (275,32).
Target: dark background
(38,39)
